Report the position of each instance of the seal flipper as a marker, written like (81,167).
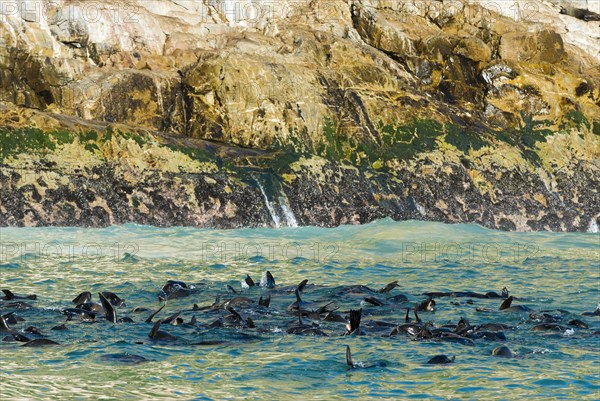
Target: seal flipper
(330,307)
(355,316)
(506,303)
(505,292)
(9,295)
(231,289)
(114,299)
(149,320)
(374,301)
(154,330)
(407,318)
(83,298)
(416,315)
(235,313)
(349,357)
(267,280)
(248,280)
(298,299)
(109,311)
(302,285)
(388,287)
(4,325)
(264,302)
(171,319)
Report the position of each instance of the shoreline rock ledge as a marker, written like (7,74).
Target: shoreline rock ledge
(239,113)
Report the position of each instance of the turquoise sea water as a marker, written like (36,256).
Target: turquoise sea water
(544,270)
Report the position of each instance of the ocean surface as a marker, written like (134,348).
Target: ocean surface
(101,360)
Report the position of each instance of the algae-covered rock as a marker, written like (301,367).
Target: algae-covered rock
(355,109)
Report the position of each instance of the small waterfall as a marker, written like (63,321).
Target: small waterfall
(279,209)
(270,207)
(593,228)
(288,215)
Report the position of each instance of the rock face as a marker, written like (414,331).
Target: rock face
(231,113)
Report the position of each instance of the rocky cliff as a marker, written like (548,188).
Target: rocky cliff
(231,113)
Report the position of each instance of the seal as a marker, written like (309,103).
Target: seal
(506,306)
(579,323)
(16,337)
(8,296)
(503,352)
(305,329)
(83,314)
(441,360)
(426,306)
(238,321)
(40,342)
(594,313)
(469,294)
(548,327)
(236,301)
(158,335)
(124,358)
(580,13)
(174,289)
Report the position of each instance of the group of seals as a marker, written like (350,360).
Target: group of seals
(371,312)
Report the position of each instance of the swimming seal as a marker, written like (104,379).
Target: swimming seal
(301,328)
(441,360)
(174,289)
(40,342)
(506,306)
(579,323)
(8,296)
(503,352)
(427,306)
(596,312)
(159,335)
(125,358)
(16,337)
